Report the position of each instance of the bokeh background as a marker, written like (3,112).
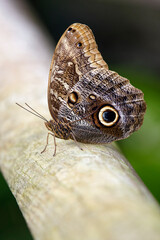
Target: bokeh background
(128,35)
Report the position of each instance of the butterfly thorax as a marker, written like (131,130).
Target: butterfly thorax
(59,128)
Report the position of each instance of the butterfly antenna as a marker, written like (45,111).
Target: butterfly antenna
(34,112)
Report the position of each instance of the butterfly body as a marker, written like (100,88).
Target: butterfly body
(89,102)
(59,128)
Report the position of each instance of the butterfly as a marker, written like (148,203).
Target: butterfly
(88,102)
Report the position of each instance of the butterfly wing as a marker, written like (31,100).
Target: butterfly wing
(99,105)
(110,108)
(76,54)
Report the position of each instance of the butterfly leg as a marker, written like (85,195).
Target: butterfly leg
(76,141)
(47,143)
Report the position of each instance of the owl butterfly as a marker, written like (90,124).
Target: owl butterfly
(88,102)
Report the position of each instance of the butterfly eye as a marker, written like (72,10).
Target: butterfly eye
(108,116)
(72,99)
(79,44)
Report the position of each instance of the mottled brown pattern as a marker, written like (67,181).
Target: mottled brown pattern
(78,70)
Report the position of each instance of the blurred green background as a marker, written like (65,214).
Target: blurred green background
(128,35)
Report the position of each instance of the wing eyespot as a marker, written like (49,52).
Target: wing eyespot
(69,29)
(92,97)
(72,99)
(108,116)
(79,44)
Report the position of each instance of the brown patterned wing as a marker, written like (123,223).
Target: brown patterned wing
(76,54)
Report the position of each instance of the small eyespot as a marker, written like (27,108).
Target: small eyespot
(69,29)
(72,99)
(92,97)
(73,30)
(79,44)
(108,116)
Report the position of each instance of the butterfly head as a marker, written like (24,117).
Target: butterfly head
(49,125)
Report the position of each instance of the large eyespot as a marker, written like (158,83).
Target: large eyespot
(108,116)
(72,99)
